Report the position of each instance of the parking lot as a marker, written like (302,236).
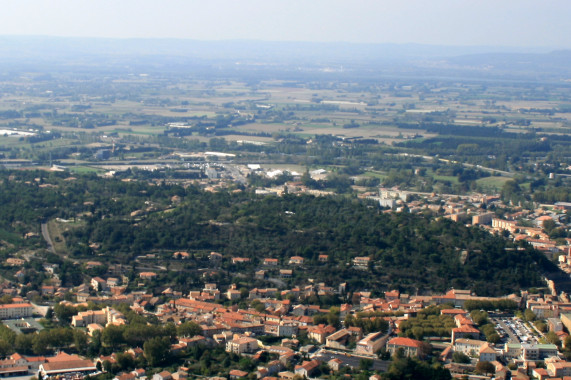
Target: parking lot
(514,330)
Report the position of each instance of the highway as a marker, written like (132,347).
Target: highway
(502,172)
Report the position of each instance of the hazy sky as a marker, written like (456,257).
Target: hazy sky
(539,23)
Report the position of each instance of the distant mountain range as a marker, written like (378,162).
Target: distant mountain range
(239,55)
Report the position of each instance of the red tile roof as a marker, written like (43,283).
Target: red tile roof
(407,342)
(466,329)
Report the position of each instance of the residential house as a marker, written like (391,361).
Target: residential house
(212,290)
(103,317)
(14,365)
(469,347)
(48,290)
(99,284)
(296,260)
(147,275)
(307,368)
(286,375)
(273,367)
(164,375)
(93,264)
(240,345)
(335,364)
(410,347)
(215,256)
(125,376)
(93,327)
(237,374)
(281,328)
(462,320)
(270,262)
(20,275)
(392,295)
(85,318)
(559,369)
(139,372)
(465,331)
(262,293)
(487,354)
(260,274)
(286,273)
(320,332)
(555,324)
(361,262)
(233,294)
(453,312)
(339,339)
(345,309)
(545,311)
(371,343)
(566,320)
(181,255)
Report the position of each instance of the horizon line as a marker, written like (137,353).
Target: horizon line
(243,40)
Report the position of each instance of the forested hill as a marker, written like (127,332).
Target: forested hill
(412,252)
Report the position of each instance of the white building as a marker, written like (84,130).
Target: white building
(242,345)
(16,310)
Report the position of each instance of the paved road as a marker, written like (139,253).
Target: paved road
(427,158)
(26,377)
(542,335)
(47,238)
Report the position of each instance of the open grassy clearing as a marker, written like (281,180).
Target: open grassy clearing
(445,178)
(13,141)
(264,128)
(495,183)
(57,229)
(62,142)
(85,169)
(372,174)
(316,109)
(386,134)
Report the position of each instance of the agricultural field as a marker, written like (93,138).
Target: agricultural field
(428,134)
